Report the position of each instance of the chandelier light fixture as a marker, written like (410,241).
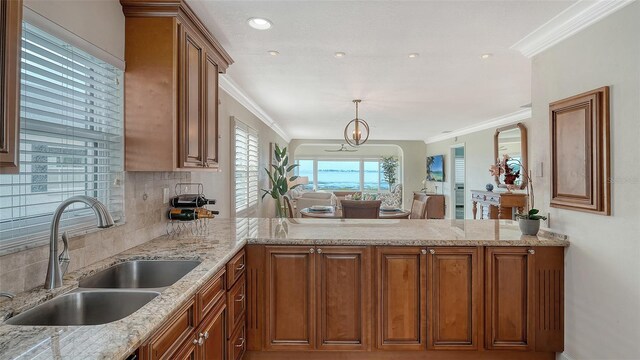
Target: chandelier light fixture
(356,132)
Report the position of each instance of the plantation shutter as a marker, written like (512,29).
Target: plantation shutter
(70,140)
(246,169)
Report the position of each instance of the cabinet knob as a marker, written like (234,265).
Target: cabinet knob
(423,251)
(319,251)
(206,335)
(531,251)
(431,251)
(195,341)
(311,251)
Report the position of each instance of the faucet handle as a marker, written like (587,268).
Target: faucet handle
(7,294)
(64,258)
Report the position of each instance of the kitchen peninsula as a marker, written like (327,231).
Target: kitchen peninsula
(371,289)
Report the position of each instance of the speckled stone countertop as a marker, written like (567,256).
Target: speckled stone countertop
(222,238)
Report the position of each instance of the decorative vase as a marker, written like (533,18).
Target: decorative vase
(280,212)
(489,187)
(529,227)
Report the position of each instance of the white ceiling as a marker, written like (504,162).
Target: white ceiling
(308,91)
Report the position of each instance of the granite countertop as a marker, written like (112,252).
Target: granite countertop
(222,238)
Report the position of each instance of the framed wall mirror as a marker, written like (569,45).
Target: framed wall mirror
(512,140)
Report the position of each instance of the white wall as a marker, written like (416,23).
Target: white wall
(478,157)
(413,167)
(602,281)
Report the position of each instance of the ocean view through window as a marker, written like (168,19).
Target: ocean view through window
(359,175)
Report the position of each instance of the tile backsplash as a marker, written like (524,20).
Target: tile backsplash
(145,219)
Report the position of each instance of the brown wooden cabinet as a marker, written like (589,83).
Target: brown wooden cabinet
(453,296)
(10,35)
(290,293)
(213,332)
(171,87)
(344,297)
(400,296)
(509,312)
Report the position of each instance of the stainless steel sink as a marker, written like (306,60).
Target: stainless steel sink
(85,308)
(140,274)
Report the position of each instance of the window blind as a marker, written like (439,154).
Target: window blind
(70,140)
(459,170)
(246,169)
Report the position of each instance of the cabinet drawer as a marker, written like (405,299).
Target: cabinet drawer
(236,303)
(210,293)
(173,333)
(237,343)
(235,268)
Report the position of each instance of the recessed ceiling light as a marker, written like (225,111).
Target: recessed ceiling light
(339,54)
(486,56)
(259,23)
(273,52)
(413,55)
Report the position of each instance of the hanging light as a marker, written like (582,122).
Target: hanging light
(357,134)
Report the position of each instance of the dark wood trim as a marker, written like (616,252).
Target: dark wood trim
(10,40)
(595,197)
(549,300)
(524,152)
(255,296)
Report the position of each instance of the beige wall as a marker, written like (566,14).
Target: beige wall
(478,158)
(602,280)
(100,22)
(413,165)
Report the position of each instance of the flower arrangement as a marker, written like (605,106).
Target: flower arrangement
(504,167)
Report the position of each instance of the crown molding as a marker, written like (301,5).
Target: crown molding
(235,91)
(572,20)
(493,123)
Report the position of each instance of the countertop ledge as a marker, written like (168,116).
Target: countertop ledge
(222,239)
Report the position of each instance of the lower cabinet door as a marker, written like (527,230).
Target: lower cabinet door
(343,278)
(509,298)
(400,294)
(290,298)
(452,298)
(213,331)
(238,343)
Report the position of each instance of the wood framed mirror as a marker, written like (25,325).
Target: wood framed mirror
(512,140)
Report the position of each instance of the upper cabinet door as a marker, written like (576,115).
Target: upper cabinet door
(400,295)
(509,298)
(191,125)
(290,298)
(344,295)
(10,40)
(211,112)
(453,294)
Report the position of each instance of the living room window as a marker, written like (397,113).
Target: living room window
(343,175)
(246,169)
(70,140)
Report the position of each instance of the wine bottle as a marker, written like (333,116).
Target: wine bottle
(190,201)
(183,214)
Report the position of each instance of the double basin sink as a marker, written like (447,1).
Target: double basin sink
(109,295)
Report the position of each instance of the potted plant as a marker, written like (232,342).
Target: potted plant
(529,220)
(389,166)
(279,181)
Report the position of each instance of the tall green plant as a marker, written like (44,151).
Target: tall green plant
(278,176)
(389,169)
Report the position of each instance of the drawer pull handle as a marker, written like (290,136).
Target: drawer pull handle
(531,251)
(319,251)
(241,298)
(240,267)
(431,251)
(241,345)
(423,251)
(311,251)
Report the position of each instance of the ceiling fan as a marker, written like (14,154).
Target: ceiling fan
(343,148)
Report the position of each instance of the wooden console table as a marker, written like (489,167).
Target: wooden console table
(498,205)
